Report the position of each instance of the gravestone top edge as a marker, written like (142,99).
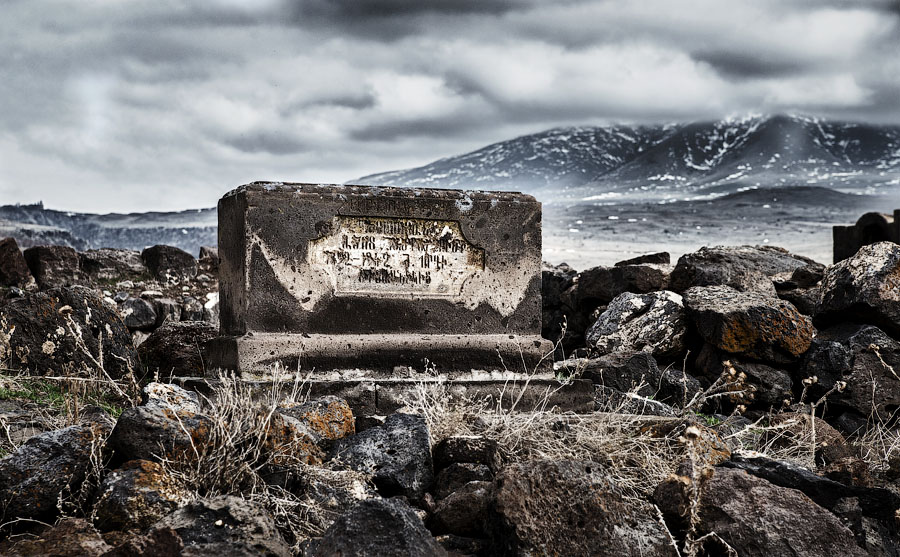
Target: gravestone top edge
(300,188)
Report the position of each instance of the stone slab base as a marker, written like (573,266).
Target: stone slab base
(258,352)
(378,397)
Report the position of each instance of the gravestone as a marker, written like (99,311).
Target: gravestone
(329,277)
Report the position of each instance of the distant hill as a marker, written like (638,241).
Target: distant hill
(34,225)
(672,161)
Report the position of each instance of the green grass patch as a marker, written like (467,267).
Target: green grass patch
(55,395)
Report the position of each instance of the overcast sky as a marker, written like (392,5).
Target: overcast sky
(133,105)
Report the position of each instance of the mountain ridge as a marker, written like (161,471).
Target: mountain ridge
(646,162)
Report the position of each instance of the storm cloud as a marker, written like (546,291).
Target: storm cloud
(166,104)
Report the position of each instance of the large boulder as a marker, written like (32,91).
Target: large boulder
(43,344)
(570,508)
(13,268)
(653,323)
(112,265)
(153,432)
(53,265)
(865,359)
(138,314)
(744,268)
(168,264)
(70,537)
(658,258)
(600,285)
(770,386)
(626,371)
(464,512)
(875,525)
(749,323)
(175,349)
(864,288)
(755,517)
(326,418)
(375,528)
(136,496)
(48,465)
(397,454)
(226,525)
(159,542)
(474,449)
(555,281)
(457,475)
(168,395)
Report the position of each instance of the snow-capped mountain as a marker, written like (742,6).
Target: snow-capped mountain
(673,161)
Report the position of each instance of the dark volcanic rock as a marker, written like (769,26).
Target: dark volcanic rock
(71,537)
(137,495)
(570,508)
(209,258)
(457,475)
(806,300)
(653,323)
(159,542)
(464,512)
(473,449)
(226,525)
(600,285)
(877,504)
(175,348)
(113,264)
(326,419)
(758,518)
(397,454)
(53,265)
(749,323)
(43,344)
(623,371)
(168,264)
(744,268)
(376,528)
(148,432)
(138,314)
(661,258)
(835,458)
(555,281)
(864,288)
(191,309)
(167,395)
(33,477)
(862,356)
(770,386)
(13,268)
(167,311)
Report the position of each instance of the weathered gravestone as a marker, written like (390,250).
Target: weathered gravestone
(326,277)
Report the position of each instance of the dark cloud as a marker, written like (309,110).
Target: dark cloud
(273,143)
(380,9)
(451,126)
(122,97)
(747,65)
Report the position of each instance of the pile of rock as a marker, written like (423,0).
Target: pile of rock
(783,325)
(114,297)
(728,339)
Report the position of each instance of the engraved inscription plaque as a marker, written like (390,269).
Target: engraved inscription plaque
(396,257)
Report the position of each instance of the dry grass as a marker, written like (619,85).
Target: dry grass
(240,458)
(635,458)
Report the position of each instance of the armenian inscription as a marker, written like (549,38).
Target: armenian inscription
(386,256)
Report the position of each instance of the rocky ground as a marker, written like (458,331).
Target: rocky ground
(745,404)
